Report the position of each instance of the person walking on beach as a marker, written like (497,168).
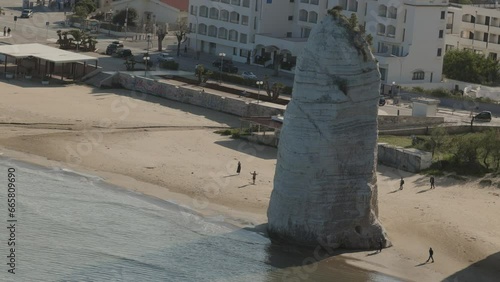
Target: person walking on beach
(4,31)
(432,182)
(431,253)
(401,183)
(380,245)
(8,31)
(238,169)
(254,175)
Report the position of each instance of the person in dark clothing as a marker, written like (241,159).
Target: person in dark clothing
(238,169)
(4,31)
(432,182)
(254,175)
(8,31)
(380,245)
(431,253)
(401,183)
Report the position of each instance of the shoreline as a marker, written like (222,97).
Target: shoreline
(184,162)
(110,182)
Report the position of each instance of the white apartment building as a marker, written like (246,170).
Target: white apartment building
(475,28)
(150,13)
(408,35)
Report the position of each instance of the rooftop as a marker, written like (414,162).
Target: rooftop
(43,52)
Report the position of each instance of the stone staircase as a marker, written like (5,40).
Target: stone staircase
(100,79)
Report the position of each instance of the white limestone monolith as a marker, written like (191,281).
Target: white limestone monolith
(325,190)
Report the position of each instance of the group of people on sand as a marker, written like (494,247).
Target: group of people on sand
(431,180)
(254,173)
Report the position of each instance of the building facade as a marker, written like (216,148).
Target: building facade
(408,35)
(474,28)
(152,14)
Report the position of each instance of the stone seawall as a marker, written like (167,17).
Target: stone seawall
(204,99)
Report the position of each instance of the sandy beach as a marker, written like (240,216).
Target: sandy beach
(169,150)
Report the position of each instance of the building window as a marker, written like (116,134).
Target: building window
(243,38)
(235,17)
(222,33)
(492,56)
(202,29)
(382,11)
(224,1)
(303,15)
(393,12)
(380,29)
(315,2)
(353,6)
(214,13)
(233,35)
(244,53)
(244,20)
(204,11)
(289,34)
(212,31)
(224,15)
(418,75)
(235,2)
(304,32)
(443,14)
(246,3)
(290,18)
(441,33)
(192,10)
(269,1)
(304,1)
(382,74)
(343,4)
(391,31)
(313,17)
(439,52)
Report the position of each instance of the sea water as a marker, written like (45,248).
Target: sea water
(74,227)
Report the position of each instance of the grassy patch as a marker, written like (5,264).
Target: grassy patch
(400,141)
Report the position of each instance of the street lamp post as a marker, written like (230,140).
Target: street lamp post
(221,55)
(126,22)
(259,84)
(146,59)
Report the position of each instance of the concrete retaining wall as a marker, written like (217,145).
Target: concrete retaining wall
(195,97)
(411,160)
(389,122)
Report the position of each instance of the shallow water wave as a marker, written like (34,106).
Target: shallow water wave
(73,227)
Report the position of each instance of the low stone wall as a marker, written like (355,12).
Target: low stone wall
(411,160)
(195,97)
(390,122)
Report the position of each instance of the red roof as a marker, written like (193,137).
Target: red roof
(178,4)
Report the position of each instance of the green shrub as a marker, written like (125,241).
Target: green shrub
(169,65)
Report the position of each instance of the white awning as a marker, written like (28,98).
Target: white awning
(43,52)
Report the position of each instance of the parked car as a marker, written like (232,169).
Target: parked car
(123,53)
(381,101)
(483,116)
(248,75)
(217,63)
(111,49)
(27,13)
(165,57)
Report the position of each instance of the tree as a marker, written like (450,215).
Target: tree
(180,34)
(438,139)
(131,15)
(273,91)
(468,66)
(84,7)
(161,33)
